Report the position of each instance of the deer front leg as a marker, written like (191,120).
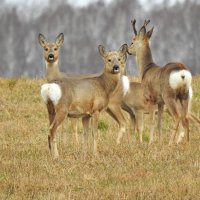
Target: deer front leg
(75,130)
(95,119)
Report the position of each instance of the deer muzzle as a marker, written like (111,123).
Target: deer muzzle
(116,69)
(51,57)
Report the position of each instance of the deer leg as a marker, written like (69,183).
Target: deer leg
(171,105)
(117,114)
(139,124)
(185,117)
(152,122)
(95,118)
(133,125)
(58,119)
(75,130)
(180,134)
(160,112)
(85,122)
(51,111)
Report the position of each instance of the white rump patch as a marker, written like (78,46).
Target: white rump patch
(180,78)
(126,84)
(51,91)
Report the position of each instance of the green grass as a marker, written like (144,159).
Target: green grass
(127,171)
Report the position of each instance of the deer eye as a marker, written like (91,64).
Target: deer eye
(55,49)
(119,59)
(131,43)
(46,49)
(109,60)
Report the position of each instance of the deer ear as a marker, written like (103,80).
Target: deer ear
(123,49)
(142,31)
(102,50)
(149,33)
(60,39)
(41,40)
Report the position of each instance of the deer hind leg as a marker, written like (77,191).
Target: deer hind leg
(171,105)
(152,114)
(139,124)
(133,126)
(85,122)
(58,119)
(185,117)
(51,111)
(117,114)
(160,113)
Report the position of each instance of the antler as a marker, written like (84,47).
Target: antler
(133,24)
(146,22)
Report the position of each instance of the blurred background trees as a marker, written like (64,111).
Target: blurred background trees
(175,38)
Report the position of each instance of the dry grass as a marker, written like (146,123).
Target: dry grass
(127,171)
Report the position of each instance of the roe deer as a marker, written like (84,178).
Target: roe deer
(51,55)
(85,98)
(169,85)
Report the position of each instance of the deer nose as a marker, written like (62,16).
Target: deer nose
(116,68)
(51,56)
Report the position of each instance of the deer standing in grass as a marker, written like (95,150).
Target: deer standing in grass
(169,85)
(83,98)
(51,55)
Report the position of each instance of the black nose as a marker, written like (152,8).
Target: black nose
(115,67)
(183,77)
(51,55)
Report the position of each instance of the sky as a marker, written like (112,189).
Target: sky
(83,2)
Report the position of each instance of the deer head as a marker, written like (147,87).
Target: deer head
(51,49)
(141,38)
(115,61)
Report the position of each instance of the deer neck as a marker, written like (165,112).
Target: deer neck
(143,58)
(110,82)
(52,71)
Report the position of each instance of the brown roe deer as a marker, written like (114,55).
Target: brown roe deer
(83,98)
(169,85)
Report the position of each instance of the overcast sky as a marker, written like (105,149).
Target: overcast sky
(81,2)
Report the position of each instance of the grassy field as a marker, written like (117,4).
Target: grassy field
(127,171)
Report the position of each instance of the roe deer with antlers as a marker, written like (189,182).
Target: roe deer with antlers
(169,85)
(84,98)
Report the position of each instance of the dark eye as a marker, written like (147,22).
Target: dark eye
(55,49)
(131,43)
(119,59)
(109,60)
(46,49)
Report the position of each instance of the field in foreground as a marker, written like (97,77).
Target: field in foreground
(127,171)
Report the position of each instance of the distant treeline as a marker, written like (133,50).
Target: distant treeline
(176,35)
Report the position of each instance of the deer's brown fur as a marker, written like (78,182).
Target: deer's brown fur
(84,98)
(156,85)
(53,73)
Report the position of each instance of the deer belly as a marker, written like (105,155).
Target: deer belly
(79,110)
